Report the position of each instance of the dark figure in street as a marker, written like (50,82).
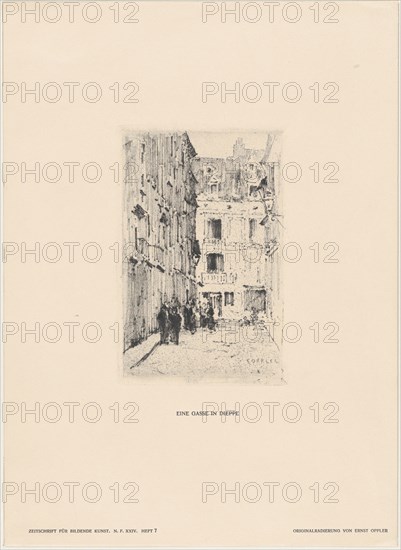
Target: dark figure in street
(187,316)
(202,315)
(192,317)
(164,324)
(210,316)
(175,323)
(254,316)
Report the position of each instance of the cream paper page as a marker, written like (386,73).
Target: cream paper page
(200,274)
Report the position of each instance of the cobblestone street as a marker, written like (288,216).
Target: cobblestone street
(242,354)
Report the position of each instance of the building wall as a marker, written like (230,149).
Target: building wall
(159,229)
(242,192)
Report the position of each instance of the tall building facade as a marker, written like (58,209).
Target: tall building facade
(238,226)
(160,244)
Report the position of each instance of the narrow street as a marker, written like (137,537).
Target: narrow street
(201,229)
(229,354)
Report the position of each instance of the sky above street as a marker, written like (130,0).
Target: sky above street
(219,144)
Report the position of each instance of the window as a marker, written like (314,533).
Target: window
(229,298)
(252,228)
(214,188)
(214,229)
(253,191)
(255,299)
(143,152)
(215,263)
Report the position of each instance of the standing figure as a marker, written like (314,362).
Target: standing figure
(210,316)
(175,323)
(187,316)
(164,324)
(220,307)
(202,315)
(192,317)
(254,316)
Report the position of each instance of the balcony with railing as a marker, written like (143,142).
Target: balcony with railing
(212,245)
(209,240)
(217,278)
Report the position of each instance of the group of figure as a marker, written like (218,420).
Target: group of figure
(169,320)
(194,315)
(254,319)
(190,316)
(206,315)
